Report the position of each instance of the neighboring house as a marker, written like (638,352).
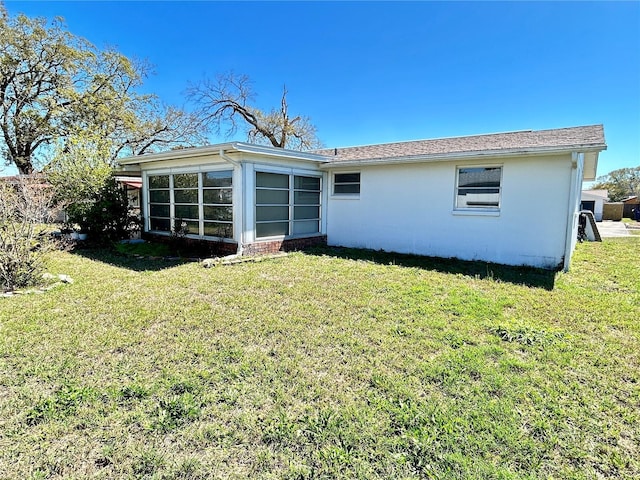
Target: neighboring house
(133,186)
(630,206)
(472,198)
(594,201)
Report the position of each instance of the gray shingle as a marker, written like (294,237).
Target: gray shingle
(561,138)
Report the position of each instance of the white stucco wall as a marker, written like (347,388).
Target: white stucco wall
(410,209)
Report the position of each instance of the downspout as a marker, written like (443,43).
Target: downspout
(577,166)
(230,160)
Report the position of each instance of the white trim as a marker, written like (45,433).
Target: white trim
(476,213)
(190,169)
(575,189)
(216,149)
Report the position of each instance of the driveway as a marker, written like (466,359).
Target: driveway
(611,229)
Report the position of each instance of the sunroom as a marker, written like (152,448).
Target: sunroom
(245,198)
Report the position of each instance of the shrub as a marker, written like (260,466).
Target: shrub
(25,208)
(106,216)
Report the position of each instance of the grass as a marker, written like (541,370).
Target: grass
(331,364)
(145,249)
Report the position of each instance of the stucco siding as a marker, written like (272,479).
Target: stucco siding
(411,209)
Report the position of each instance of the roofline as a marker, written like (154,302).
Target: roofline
(229,147)
(456,137)
(442,157)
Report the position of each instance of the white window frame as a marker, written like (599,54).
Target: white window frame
(291,205)
(346,194)
(477,209)
(200,203)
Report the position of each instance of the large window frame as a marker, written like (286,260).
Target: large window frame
(287,205)
(198,203)
(478,188)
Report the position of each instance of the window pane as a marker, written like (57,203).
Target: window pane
(191,227)
(312,226)
(279,197)
(214,229)
(272,213)
(306,212)
(217,196)
(272,229)
(479,177)
(185,180)
(186,211)
(346,188)
(159,196)
(160,224)
(347,178)
(185,196)
(159,210)
(217,179)
(272,180)
(218,213)
(159,181)
(478,200)
(306,183)
(478,191)
(306,198)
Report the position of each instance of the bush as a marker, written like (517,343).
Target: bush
(25,208)
(106,216)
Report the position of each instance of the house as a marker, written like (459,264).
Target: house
(631,204)
(472,198)
(594,201)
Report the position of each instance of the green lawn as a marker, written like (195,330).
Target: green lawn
(335,364)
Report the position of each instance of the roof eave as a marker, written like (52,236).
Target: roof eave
(278,152)
(230,147)
(174,154)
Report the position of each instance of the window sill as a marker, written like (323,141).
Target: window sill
(345,196)
(278,238)
(193,236)
(477,213)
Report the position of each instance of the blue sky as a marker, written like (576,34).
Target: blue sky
(374,72)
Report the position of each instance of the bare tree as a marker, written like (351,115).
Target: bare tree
(26,202)
(226,102)
(159,127)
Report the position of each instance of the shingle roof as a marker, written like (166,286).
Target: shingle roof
(591,136)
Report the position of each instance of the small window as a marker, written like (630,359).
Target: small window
(346,184)
(479,188)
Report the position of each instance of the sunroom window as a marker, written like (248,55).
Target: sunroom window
(185,194)
(217,204)
(159,203)
(287,204)
(196,203)
(479,188)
